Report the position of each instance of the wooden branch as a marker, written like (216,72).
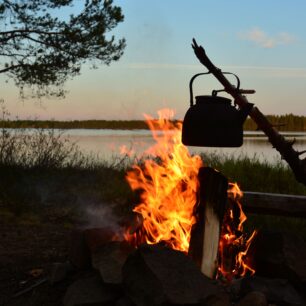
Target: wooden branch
(33,286)
(209,213)
(274,204)
(29,31)
(283,146)
(10,68)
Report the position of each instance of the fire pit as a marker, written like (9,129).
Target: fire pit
(187,246)
(183,201)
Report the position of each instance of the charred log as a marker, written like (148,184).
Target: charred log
(209,213)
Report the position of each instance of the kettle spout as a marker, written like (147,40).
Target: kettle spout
(244,112)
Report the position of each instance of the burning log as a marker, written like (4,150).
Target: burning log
(209,212)
(169,187)
(283,146)
(234,243)
(217,243)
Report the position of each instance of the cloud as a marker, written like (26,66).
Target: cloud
(270,71)
(263,40)
(255,71)
(160,66)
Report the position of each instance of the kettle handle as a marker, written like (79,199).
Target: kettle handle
(202,73)
(190,85)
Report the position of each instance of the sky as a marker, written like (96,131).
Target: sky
(263,42)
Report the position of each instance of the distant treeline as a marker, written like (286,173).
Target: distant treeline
(288,122)
(76,124)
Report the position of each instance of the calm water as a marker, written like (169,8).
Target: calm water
(106,143)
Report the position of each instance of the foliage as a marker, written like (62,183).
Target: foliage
(253,174)
(78,124)
(42,46)
(39,148)
(288,122)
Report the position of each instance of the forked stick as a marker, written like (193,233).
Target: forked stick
(283,146)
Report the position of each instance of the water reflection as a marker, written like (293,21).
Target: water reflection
(107,143)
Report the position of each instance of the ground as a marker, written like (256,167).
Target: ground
(26,250)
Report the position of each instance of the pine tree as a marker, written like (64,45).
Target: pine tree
(41,47)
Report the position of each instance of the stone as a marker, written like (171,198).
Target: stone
(254,298)
(109,259)
(59,271)
(124,301)
(79,253)
(234,289)
(91,291)
(280,254)
(156,275)
(97,237)
(221,299)
(278,291)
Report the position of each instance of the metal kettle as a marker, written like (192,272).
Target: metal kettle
(212,121)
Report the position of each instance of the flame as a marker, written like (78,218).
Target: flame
(168,184)
(234,245)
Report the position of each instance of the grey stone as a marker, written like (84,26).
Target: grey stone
(97,237)
(59,271)
(79,253)
(109,259)
(155,275)
(221,299)
(91,291)
(281,255)
(234,288)
(124,301)
(278,291)
(254,298)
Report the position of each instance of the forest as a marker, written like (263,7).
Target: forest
(288,122)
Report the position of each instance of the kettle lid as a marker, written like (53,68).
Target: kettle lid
(212,99)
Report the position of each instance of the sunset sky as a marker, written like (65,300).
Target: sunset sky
(263,42)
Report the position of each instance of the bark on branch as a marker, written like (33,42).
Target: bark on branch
(283,146)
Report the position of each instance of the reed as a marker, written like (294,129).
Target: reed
(45,172)
(255,174)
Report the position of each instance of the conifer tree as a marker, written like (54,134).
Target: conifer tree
(42,45)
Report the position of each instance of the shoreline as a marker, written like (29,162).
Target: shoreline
(282,123)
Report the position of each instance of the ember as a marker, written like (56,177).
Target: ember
(233,240)
(168,181)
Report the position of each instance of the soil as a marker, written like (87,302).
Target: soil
(27,252)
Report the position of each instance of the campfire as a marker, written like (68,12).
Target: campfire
(186,245)
(171,202)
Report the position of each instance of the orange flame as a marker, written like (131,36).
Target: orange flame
(168,183)
(233,245)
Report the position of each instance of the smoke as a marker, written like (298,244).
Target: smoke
(101,215)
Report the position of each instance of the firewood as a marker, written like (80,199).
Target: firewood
(287,205)
(209,213)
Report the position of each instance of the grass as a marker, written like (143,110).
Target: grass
(45,178)
(280,223)
(253,174)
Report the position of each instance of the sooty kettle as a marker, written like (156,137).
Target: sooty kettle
(213,121)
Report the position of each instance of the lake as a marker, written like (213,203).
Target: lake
(106,143)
